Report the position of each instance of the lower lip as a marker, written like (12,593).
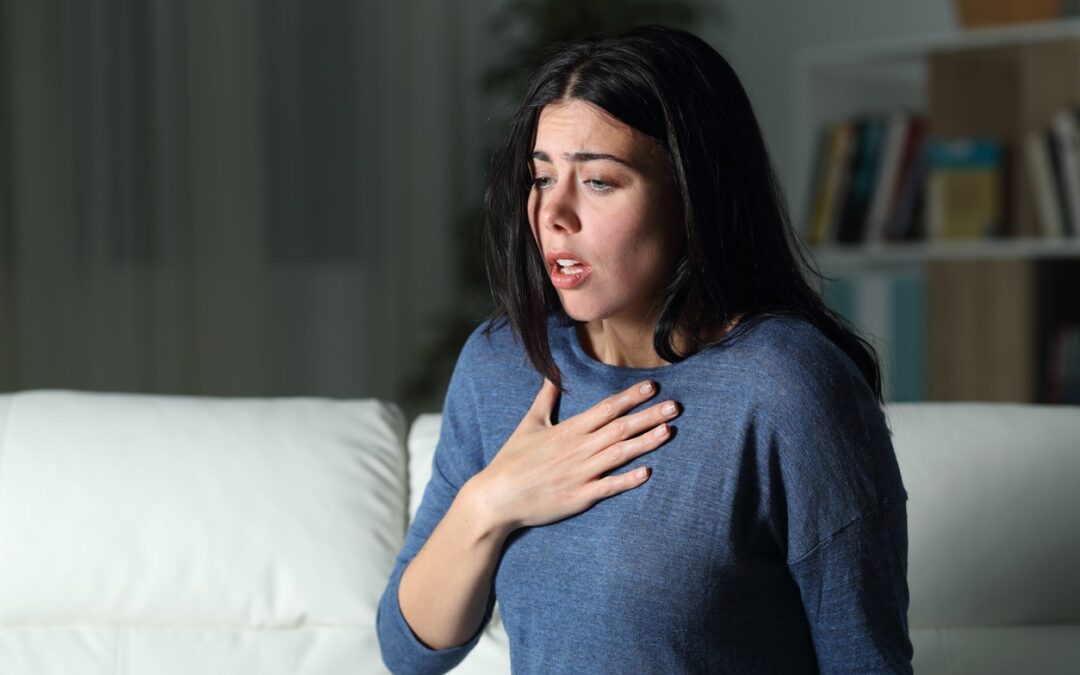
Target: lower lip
(567,281)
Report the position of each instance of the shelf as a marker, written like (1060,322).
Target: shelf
(956,320)
(877,256)
(913,49)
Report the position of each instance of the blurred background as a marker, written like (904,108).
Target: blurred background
(279,198)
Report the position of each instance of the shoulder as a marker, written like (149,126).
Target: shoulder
(492,346)
(823,429)
(797,370)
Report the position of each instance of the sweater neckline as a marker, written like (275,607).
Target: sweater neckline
(569,333)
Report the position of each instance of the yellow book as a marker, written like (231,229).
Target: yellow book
(841,144)
(964,189)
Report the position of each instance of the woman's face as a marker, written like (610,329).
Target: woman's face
(618,217)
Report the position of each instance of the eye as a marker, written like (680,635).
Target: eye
(595,184)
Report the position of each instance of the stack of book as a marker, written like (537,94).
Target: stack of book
(1052,157)
(879,177)
(888,309)
(867,179)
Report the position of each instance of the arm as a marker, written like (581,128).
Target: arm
(443,592)
(855,593)
(439,595)
(838,506)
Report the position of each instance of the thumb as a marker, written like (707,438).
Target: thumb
(544,402)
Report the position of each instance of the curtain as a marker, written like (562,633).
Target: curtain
(239,198)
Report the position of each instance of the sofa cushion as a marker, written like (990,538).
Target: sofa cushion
(492,653)
(236,534)
(992,504)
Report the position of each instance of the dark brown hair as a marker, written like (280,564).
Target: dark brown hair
(741,255)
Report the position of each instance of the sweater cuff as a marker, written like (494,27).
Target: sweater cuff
(404,652)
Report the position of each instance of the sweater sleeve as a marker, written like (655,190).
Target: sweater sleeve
(838,508)
(458,455)
(855,593)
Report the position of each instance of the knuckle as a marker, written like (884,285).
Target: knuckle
(615,453)
(607,407)
(608,487)
(619,428)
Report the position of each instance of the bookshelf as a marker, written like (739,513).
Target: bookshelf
(973,320)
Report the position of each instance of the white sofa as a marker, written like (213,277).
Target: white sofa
(151,535)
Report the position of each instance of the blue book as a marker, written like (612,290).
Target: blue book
(890,310)
(908,339)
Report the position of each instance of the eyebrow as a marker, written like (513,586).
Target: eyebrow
(582,157)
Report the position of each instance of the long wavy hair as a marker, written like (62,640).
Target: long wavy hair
(741,255)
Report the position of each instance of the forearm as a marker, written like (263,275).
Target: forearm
(444,589)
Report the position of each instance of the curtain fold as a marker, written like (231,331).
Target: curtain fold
(243,198)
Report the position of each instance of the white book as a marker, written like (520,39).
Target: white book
(1040,174)
(882,195)
(1067,134)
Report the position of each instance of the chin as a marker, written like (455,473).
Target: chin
(583,314)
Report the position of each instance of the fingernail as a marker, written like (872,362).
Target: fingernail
(646,388)
(669,409)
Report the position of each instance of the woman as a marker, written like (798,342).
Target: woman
(636,243)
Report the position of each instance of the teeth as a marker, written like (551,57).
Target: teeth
(565,262)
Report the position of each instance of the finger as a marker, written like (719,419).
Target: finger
(613,485)
(614,456)
(631,425)
(614,406)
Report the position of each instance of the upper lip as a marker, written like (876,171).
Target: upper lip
(552,256)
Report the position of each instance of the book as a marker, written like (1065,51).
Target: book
(841,145)
(885,187)
(890,309)
(1065,133)
(863,169)
(1053,151)
(964,198)
(903,223)
(815,197)
(1063,365)
(1040,172)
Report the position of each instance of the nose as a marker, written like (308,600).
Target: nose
(556,209)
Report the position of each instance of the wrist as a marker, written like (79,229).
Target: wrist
(483,515)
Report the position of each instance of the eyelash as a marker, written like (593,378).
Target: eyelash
(607,186)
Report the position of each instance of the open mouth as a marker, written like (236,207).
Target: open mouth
(567,266)
(567,276)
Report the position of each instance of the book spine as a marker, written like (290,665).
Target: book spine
(885,185)
(1039,170)
(812,219)
(902,215)
(864,171)
(838,179)
(1065,131)
(1053,151)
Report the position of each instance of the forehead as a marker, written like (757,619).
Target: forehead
(576,125)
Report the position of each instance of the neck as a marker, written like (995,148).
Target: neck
(619,344)
(630,345)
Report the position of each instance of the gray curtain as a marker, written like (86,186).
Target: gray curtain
(232,198)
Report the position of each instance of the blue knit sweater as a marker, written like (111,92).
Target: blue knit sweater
(771,536)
